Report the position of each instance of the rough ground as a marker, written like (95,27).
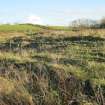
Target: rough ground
(51,67)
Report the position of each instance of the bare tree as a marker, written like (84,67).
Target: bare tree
(102,23)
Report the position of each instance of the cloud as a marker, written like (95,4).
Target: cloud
(33,19)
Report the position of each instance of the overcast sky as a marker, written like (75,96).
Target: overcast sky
(50,12)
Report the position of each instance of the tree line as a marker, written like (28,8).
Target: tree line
(87,23)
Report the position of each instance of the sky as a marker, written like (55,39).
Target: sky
(50,12)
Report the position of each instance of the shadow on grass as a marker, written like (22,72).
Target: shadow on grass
(49,43)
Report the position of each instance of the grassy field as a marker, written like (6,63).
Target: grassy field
(51,65)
